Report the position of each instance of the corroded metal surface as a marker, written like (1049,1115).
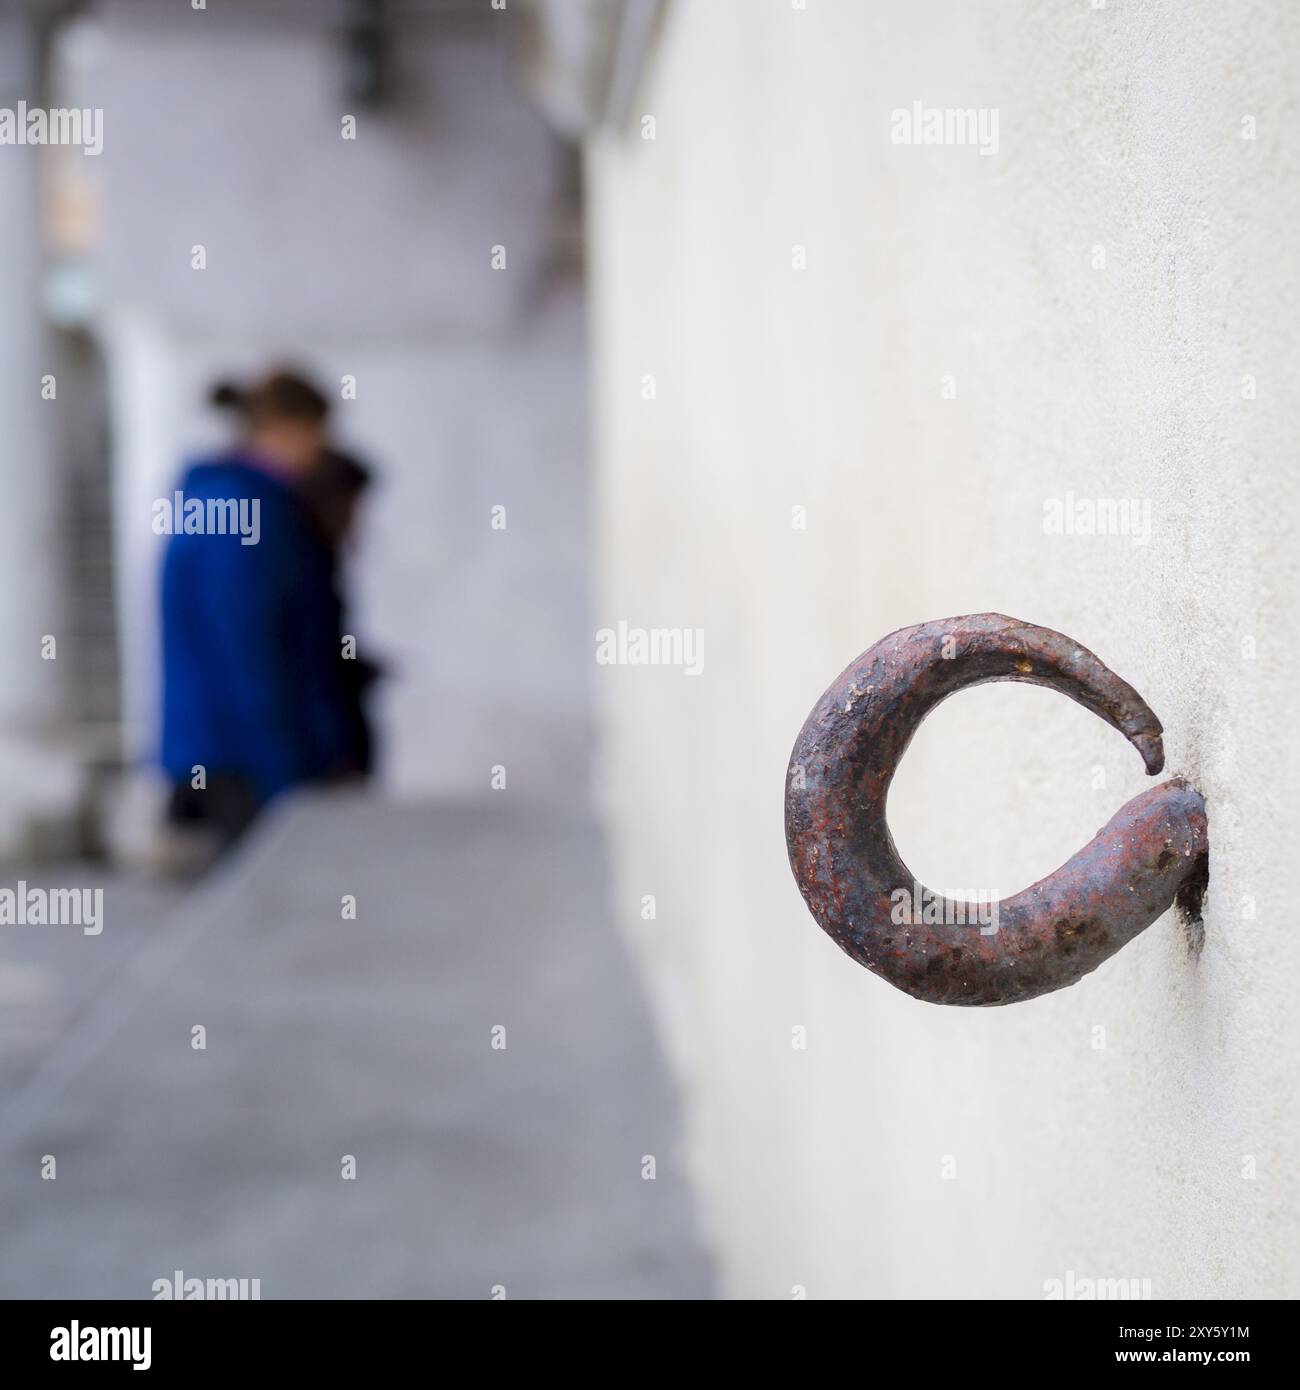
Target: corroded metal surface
(1153,851)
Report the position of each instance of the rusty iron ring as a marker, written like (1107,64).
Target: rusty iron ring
(1152,852)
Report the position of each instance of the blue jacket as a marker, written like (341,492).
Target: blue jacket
(251,641)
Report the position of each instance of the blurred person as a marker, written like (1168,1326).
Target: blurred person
(333,490)
(253,700)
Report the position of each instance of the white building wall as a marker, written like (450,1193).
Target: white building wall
(1143,1124)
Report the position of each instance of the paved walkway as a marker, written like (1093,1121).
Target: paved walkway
(476,1167)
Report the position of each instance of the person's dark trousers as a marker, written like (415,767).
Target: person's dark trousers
(227,806)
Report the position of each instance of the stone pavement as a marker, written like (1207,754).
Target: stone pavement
(476,1167)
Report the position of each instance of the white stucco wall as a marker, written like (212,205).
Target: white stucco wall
(823,388)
